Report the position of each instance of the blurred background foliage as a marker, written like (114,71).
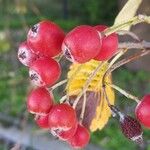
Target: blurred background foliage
(16,16)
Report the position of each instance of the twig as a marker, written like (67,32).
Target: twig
(83,108)
(117,57)
(117,65)
(131,34)
(59,57)
(136,45)
(105,94)
(58,84)
(62,100)
(127,60)
(110,64)
(125,93)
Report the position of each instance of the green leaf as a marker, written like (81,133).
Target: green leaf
(128,12)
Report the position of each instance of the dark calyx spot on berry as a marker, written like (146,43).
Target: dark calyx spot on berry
(93,100)
(67,54)
(34,77)
(34,28)
(36,117)
(57,131)
(22,55)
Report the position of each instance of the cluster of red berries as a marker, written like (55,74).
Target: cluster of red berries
(84,43)
(43,43)
(46,40)
(61,119)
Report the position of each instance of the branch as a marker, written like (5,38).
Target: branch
(83,108)
(129,33)
(58,84)
(127,60)
(137,45)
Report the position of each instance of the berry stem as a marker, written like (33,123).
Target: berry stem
(58,84)
(83,108)
(62,100)
(117,65)
(58,57)
(133,21)
(123,51)
(136,45)
(115,111)
(117,57)
(105,94)
(125,93)
(87,83)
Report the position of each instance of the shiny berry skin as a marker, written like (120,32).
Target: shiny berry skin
(44,72)
(82,44)
(65,135)
(25,55)
(81,137)
(45,38)
(40,101)
(142,111)
(42,121)
(109,44)
(62,117)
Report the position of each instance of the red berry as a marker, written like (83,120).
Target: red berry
(39,101)
(62,117)
(65,135)
(45,38)
(81,137)
(44,72)
(42,121)
(142,111)
(82,44)
(25,55)
(109,44)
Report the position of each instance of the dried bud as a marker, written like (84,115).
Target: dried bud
(131,129)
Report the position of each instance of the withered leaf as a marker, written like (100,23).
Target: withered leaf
(92,101)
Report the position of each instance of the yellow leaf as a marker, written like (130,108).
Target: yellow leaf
(127,12)
(76,82)
(103,112)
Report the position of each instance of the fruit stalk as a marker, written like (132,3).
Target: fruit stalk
(125,93)
(58,84)
(83,108)
(127,60)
